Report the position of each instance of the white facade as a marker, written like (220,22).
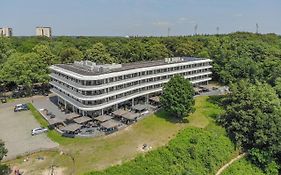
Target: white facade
(93,90)
(6,32)
(44,31)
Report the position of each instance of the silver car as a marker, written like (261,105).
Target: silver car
(37,131)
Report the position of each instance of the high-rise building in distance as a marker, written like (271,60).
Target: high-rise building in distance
(44,31)
(6,32)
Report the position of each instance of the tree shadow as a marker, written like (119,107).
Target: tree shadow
(216,99)
(161,113)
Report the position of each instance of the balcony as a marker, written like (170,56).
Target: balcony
(80,96)
(112,102)
(116,83)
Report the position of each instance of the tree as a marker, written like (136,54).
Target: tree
(70,55)
(136,51)
(186,48)
(5,49)
(98,54)
(45,54)
(277,87)
(253,120)
(3,151)
(24,69)
(156,50)
(177,97)
(117,51)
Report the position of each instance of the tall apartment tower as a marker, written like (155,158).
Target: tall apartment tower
(6,32)
(44,31)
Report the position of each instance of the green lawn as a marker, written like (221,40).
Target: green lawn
(205,111)
(99,153)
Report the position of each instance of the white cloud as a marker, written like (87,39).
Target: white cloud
(162,23)
(182,20)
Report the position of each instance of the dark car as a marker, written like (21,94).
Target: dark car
(4,100)
(51,115)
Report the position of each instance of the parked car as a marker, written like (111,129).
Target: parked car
(3,100)
(37,131)
(20,107)
(144,112)
(51,115)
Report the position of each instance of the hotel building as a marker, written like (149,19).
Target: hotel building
(91,89)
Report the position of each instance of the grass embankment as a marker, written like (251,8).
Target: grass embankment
(156,131)
(193,151)
(202,148)
(243,167)
(37,115)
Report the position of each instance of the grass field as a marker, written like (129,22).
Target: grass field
(99,153)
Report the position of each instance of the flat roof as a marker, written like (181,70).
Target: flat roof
(71,116)
(139,107)
(110,124)
(53,121)
(72,127)
(120,112)
(103,118)
(130,115)
(82,119)
(127,66)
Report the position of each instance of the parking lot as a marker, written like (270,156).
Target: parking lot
(15,131)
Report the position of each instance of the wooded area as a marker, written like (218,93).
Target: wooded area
(24,60)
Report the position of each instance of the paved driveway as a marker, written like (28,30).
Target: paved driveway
(15,131)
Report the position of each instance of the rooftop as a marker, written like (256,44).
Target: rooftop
(103,118)
(139,107)
(71,127)
(107,68)
(130,116)
(110,124)
(71,116)
(82,119)
(120,112)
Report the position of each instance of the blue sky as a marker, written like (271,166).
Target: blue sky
(140,17)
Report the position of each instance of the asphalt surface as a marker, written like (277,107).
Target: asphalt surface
(15,131)
(49,103)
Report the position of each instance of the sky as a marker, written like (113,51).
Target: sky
(140,17)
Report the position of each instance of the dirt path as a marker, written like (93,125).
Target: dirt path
(229,163)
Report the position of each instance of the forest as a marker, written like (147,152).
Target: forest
(25,60)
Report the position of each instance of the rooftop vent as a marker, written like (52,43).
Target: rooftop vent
(173,60)
(92,66)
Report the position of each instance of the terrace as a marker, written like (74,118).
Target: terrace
(71,124)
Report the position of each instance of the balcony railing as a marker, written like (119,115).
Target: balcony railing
(80,96)
(81,106)
(116,83)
